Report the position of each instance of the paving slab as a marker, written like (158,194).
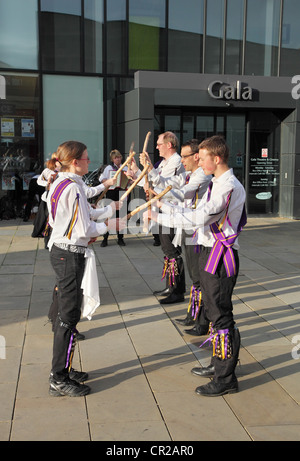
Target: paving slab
(139,359)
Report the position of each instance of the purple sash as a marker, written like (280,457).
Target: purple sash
(223,246)
(56,195)
(54,203)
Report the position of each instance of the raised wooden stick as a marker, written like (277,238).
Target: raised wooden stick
(145,150)
(148,204)
(129,159)
(127,192)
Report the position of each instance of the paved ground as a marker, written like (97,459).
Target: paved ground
(138,359)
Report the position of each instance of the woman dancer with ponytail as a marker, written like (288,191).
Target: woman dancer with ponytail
(72,231)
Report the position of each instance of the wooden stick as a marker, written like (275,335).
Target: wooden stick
(148,204)
(129,159)
(146,141)
(126,193)
(144,150)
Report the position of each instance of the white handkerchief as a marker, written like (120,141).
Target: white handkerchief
(89,285)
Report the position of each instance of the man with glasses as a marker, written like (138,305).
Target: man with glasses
(188,188)
(173,269)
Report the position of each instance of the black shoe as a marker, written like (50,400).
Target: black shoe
(80,336)
(213,389)
(185,322)
(74,375)
(78,376)
(205,372)
(121,242)
(172,299)
(165,292)
(197,331)
(156,243)
(104,243)
(68,387)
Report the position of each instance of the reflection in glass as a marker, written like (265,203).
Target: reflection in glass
(116,33)
(73,109)
(147,34)
(262,37)
(19,141)
(18,34)
(214,36)
(236,139)
(234,36)
(187,127)
(204,126)
(93,29)
(290,40)
(62,6)
(185,36)
(60,35)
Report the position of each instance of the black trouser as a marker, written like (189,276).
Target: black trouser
(217,292)
(173,253)
(115,195)
(69,269)
(192,262)
(33,189)
(53,310)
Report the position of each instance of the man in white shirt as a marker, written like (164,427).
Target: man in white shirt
(187,190)
(173,271)
(219,219)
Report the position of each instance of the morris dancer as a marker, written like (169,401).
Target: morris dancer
(113,194)
(219,218)
(188,189)
(173,269)
(72,231)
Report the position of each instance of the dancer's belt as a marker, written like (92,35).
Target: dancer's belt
(71,248)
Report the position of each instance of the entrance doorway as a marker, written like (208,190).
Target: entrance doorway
(254,143)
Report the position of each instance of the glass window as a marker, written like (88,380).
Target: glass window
(147,34)
(19,145)
(205,126)
(60,35)
(18,34)
(116,37)
(290,41)
(73,109)
(236,139)
(214,36)
(188,127)
(262,37)
(234,36)
(185,36)
(93,29)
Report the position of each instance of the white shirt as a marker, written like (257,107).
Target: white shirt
(89,190)
(183,190)
(107,172)
(208,212)
(84,228)
(166,170)
(167,167)
(42,180)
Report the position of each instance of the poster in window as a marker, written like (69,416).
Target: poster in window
(8,182)
(27,125)
(7,127)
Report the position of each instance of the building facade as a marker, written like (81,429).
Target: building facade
(106,72)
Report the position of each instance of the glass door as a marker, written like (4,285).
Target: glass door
(263,163)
